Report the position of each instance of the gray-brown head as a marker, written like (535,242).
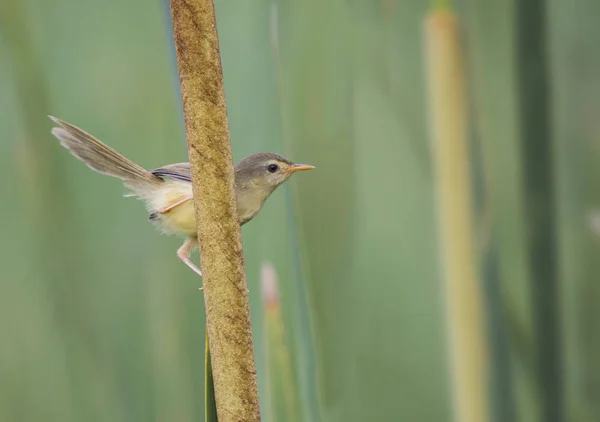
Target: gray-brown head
(257,176)
(265,171)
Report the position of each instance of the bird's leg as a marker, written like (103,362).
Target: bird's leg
(170,207)
(185,251)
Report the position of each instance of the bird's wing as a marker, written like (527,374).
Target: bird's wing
(178,171)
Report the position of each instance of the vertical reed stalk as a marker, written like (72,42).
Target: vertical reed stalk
(463,291)
(281,379)
(540,198)
(221,255)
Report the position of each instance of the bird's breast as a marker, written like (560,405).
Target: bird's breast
(249,203)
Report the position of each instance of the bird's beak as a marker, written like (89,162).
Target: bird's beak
(297,167)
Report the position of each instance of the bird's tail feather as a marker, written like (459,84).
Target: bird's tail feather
(103,159)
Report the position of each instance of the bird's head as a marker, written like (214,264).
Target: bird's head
(265,171)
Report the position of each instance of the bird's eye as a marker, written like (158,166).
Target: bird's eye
(272,168)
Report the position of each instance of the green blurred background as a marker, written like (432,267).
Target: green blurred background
(99,321)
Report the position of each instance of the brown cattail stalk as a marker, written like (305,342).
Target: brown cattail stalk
(224,279)
(463,290)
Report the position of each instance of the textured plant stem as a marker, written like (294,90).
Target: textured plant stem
(224,281)
(463,293)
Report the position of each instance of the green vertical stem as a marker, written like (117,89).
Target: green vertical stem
(502,404)
(536,139)
(302,320)
(282,379)
(466,320)
(210,405)
(501,377)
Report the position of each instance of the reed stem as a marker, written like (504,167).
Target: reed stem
(463,290)
(209,147)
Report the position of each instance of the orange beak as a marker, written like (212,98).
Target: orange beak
(297,167)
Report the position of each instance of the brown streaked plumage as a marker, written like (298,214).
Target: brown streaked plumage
(167,191)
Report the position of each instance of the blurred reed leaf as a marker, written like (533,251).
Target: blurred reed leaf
(284,396)
(298,307)
(210,405)
(492,60)
(466,319)
(537,148)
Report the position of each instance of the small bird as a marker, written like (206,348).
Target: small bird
(167,191)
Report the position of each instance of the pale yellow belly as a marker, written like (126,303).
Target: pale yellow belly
(180,220)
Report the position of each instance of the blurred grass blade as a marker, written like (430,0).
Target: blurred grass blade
(210,405)
(303,344)
(448,127)
(283,390)
(537,147)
